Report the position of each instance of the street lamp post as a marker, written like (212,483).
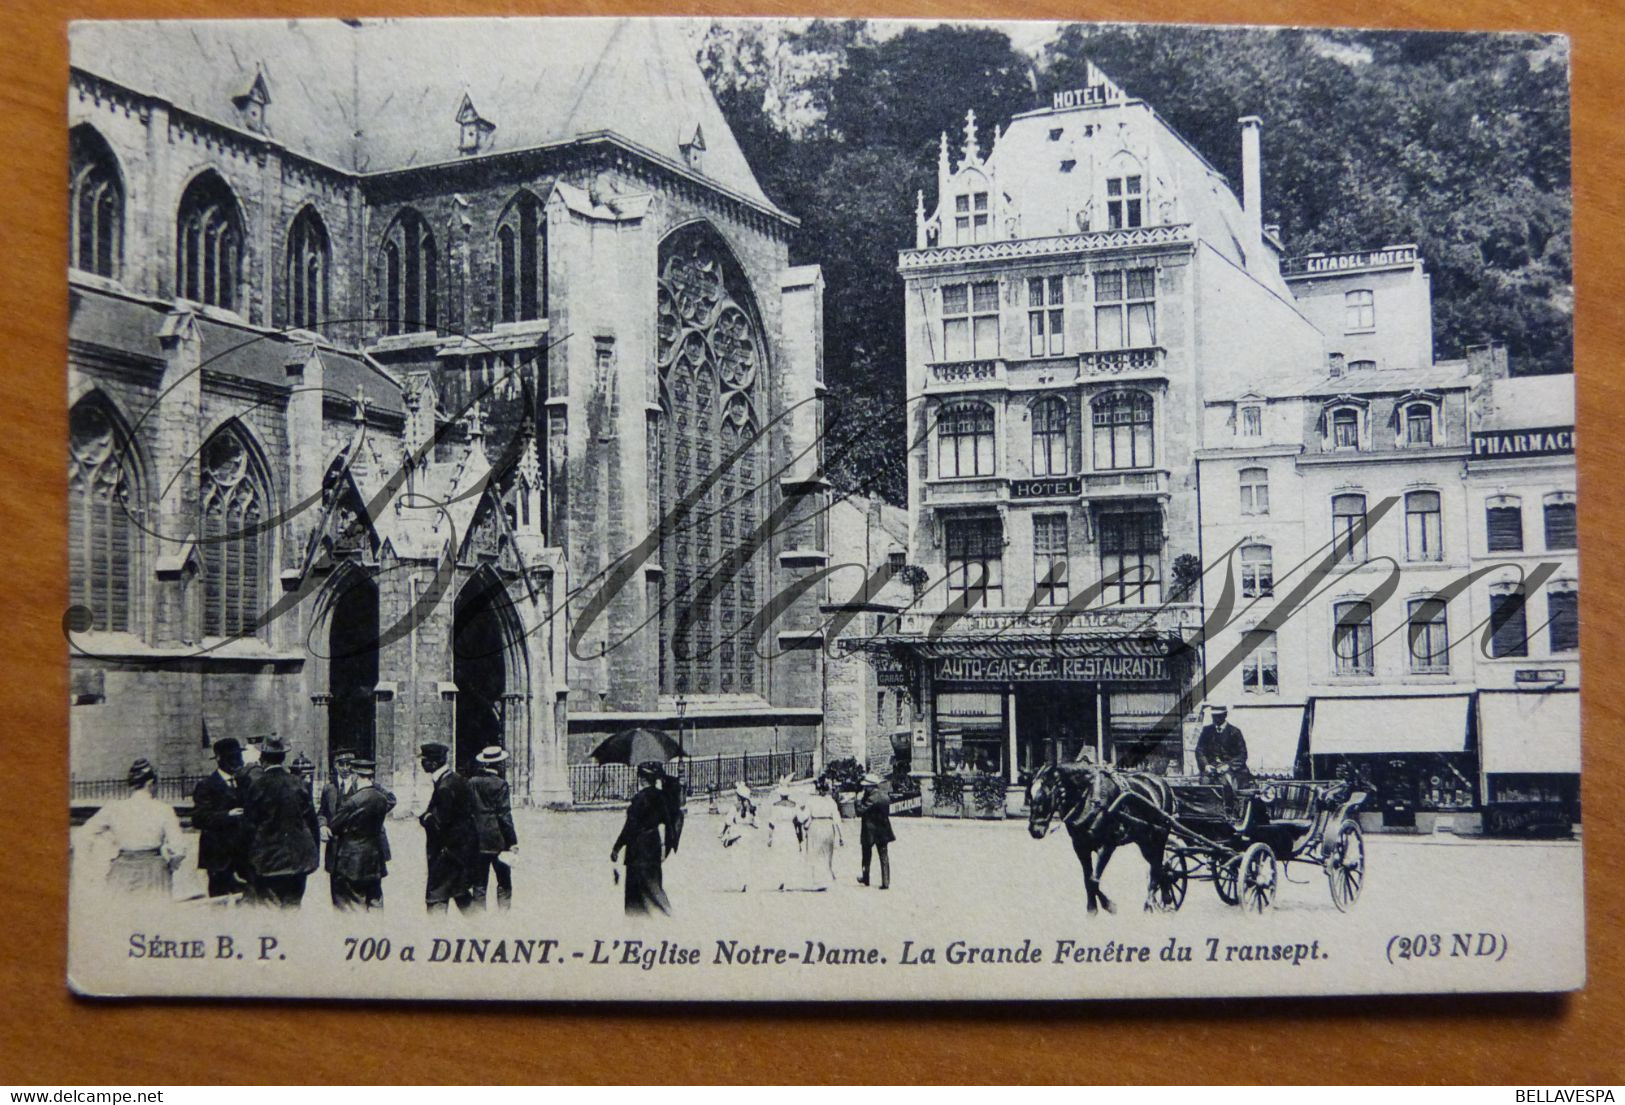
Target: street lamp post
(682,708)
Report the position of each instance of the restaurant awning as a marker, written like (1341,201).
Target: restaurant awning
(1529,733)
(1417,723)
(1272,734)
(1008,646)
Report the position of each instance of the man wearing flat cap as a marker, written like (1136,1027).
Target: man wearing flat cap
(283,852)
(217,813)
(360,845)
(333,792)
(451,838)
(493,818)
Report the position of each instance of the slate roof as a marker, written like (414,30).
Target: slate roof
(381,95)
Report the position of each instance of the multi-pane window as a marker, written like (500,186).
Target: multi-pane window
(1560,526)
(1260,670)
(1509,623)
(1046,316)
(1503,524)
(234,503)
(522,261)
(1419,424)
(1255,491)
(1563,619)
(1252,422)
(1122,430)
(1345,428)
(102,536)
(1424,535)
(965,440)
(208,243)
(1352,641)
(1360,309)
(308,260)
(970,320)
(411,275)
(1049,438)
(1257,571)
(1125,308)
(1125,202)
(1051,586)
(95,205)
(975,561)
(971,217)
(1428,636)
(1131,556)
(1349,527)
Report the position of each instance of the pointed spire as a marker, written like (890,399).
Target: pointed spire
(942,155)
(972,156)
(919,220)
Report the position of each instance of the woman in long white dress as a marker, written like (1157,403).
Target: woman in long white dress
(821,832)
(146,834)
(783,858)
(739,832)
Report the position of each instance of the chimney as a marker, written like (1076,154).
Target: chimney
(1252,191)
(1334,364)
(1488,362)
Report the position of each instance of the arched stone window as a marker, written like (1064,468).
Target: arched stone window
(209,243)
(95,204)
(104,501)
(1123,430)
(522,260)
(235,506)
(411,275)
(965,440)
(309,258)
(710,354)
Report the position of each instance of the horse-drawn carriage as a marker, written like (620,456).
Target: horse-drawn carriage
(1243,842)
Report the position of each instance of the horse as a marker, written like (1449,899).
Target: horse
(1103,808)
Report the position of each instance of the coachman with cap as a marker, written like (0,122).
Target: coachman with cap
(1221,752)
(450,836)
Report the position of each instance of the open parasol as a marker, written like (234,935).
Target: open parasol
(634,746)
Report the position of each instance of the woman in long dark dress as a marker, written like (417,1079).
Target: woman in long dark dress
(647,818)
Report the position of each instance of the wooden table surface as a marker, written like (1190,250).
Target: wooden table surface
(50,1037)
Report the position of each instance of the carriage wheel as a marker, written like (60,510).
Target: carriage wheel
(1345,864)
(1224,880)
(1176,877)
(1257,878)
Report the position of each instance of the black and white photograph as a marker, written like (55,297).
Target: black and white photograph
(795,509)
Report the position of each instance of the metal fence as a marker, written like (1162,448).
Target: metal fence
(175,789)
(599,784)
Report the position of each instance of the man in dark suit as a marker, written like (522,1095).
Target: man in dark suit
(360,844)
(451,838)
(282,817)
(493,819)
(217,813)
(334,790)
(1221,753)
(874,810)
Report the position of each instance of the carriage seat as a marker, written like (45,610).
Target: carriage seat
(1200,800)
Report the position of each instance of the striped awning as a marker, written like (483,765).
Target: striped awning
(1011,646)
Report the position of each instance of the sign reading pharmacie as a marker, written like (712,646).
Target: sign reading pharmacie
(1543,441)
(1031,669)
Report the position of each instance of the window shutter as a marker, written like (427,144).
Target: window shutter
(1509,629)
(1560,527)
(1505,525)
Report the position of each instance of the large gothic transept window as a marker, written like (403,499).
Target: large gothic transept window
(235,504)
(209,243)
(96,204)
(102,496)
(308,263)
(710,358)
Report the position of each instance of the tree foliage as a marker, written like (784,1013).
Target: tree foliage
(1457,142)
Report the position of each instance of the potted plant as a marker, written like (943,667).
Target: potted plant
(987,796)
(915,576)
(845,777)
(1187,571)
(948,795)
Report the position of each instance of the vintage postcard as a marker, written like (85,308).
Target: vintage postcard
(688,509)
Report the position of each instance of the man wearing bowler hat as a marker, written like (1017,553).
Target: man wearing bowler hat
(334,790)
(493,817)
(283,852)
(451,838)
(360,845)
(217,812)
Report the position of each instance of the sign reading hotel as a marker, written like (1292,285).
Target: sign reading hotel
(1365,259)
(1545,441)
(1053,487)
(1031,669)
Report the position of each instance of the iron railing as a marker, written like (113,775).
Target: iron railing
(605,784)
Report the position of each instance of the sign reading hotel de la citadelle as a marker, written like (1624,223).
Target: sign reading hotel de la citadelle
(524,544)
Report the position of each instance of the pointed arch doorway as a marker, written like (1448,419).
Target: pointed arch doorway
(486,639)
(352,667)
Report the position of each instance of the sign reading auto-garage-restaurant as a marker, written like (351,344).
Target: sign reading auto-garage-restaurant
(1030,669)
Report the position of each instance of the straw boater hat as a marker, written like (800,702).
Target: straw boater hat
(494,754)
(871,778)
(140,772)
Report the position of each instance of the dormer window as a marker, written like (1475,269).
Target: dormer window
(474,132)
(1418,424)
(692,146)
(1252,421)
(251,103)
(1124,202)
(1345,428)
(972,217)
